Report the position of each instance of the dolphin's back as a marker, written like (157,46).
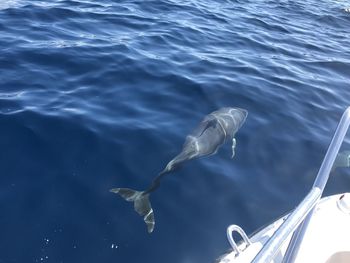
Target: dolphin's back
(207,137)
(209,122)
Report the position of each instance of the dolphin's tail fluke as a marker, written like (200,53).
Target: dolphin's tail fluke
(142,204)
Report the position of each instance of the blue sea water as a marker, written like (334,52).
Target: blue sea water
(101,94)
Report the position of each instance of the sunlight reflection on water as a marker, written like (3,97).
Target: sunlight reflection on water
(4,4)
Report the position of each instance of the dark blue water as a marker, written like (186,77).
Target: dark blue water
(101,94)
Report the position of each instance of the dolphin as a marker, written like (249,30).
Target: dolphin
(342,160)
(216,128)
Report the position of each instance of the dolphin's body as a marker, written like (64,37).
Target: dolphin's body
(216,128)
(342,160)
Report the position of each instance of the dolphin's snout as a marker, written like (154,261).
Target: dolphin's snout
(244,112)
(239,115)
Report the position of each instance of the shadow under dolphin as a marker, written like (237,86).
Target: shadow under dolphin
(216,128)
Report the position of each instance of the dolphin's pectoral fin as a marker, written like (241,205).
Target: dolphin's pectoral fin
(233,147)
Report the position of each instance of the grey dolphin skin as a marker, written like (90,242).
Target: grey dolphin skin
(216,128)
(342,160)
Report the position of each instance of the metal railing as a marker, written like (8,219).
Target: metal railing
(237,229)
(298,220)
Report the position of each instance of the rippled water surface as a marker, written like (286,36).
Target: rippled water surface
(101,94)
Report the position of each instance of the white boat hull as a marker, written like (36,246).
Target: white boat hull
(327,238)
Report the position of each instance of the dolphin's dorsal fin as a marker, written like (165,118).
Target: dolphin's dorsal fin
(208,124)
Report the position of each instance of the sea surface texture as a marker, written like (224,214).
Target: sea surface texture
(101,94)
